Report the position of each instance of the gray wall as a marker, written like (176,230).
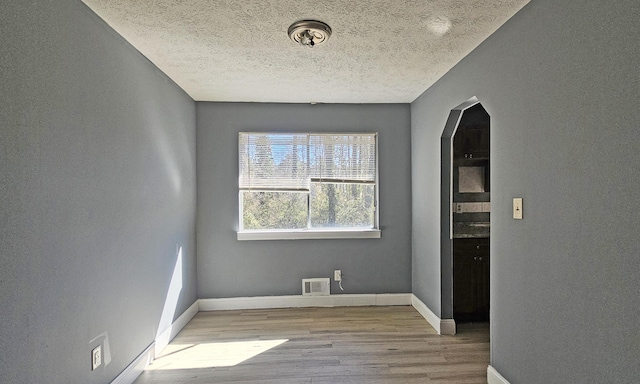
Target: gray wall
(425,225)
(561,83)
(231,268)
(97,184)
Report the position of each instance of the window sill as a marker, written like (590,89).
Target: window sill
(310,234)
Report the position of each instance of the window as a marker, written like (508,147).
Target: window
(301,185)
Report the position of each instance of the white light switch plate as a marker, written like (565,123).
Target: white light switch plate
(517,208)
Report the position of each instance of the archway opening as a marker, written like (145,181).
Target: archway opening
(465,214)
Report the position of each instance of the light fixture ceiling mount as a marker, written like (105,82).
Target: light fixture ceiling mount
(309,33)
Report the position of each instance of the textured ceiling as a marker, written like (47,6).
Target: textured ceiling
(381,51)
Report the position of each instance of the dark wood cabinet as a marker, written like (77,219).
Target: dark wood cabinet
(471,279)
(471,140)
(471,143)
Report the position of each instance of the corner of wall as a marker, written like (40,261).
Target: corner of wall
(138,365)
(442,326)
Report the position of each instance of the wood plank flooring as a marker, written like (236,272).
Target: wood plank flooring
(321,345)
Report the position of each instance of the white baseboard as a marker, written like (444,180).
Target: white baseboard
(299,301)
(447,327)
(135,369)
(493,377)
(443,327)
(165,337)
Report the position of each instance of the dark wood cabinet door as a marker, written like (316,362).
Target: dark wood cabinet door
(471,143)
(471,280)
(483,286)
(464,284)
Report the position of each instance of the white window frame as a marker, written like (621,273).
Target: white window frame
(315,233)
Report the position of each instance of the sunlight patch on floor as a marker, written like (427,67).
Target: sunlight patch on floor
(211,355)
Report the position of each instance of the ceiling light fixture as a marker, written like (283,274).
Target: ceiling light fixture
(309,33)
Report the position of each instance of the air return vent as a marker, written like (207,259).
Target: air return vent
(315,287)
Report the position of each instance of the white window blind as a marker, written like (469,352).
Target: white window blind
(290,162)
(273,162)
(343,158)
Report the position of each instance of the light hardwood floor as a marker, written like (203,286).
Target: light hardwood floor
(321,345)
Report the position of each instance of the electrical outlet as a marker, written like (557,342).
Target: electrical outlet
(96,357)
(337,275)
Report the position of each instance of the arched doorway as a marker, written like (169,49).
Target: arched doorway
(465,215)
